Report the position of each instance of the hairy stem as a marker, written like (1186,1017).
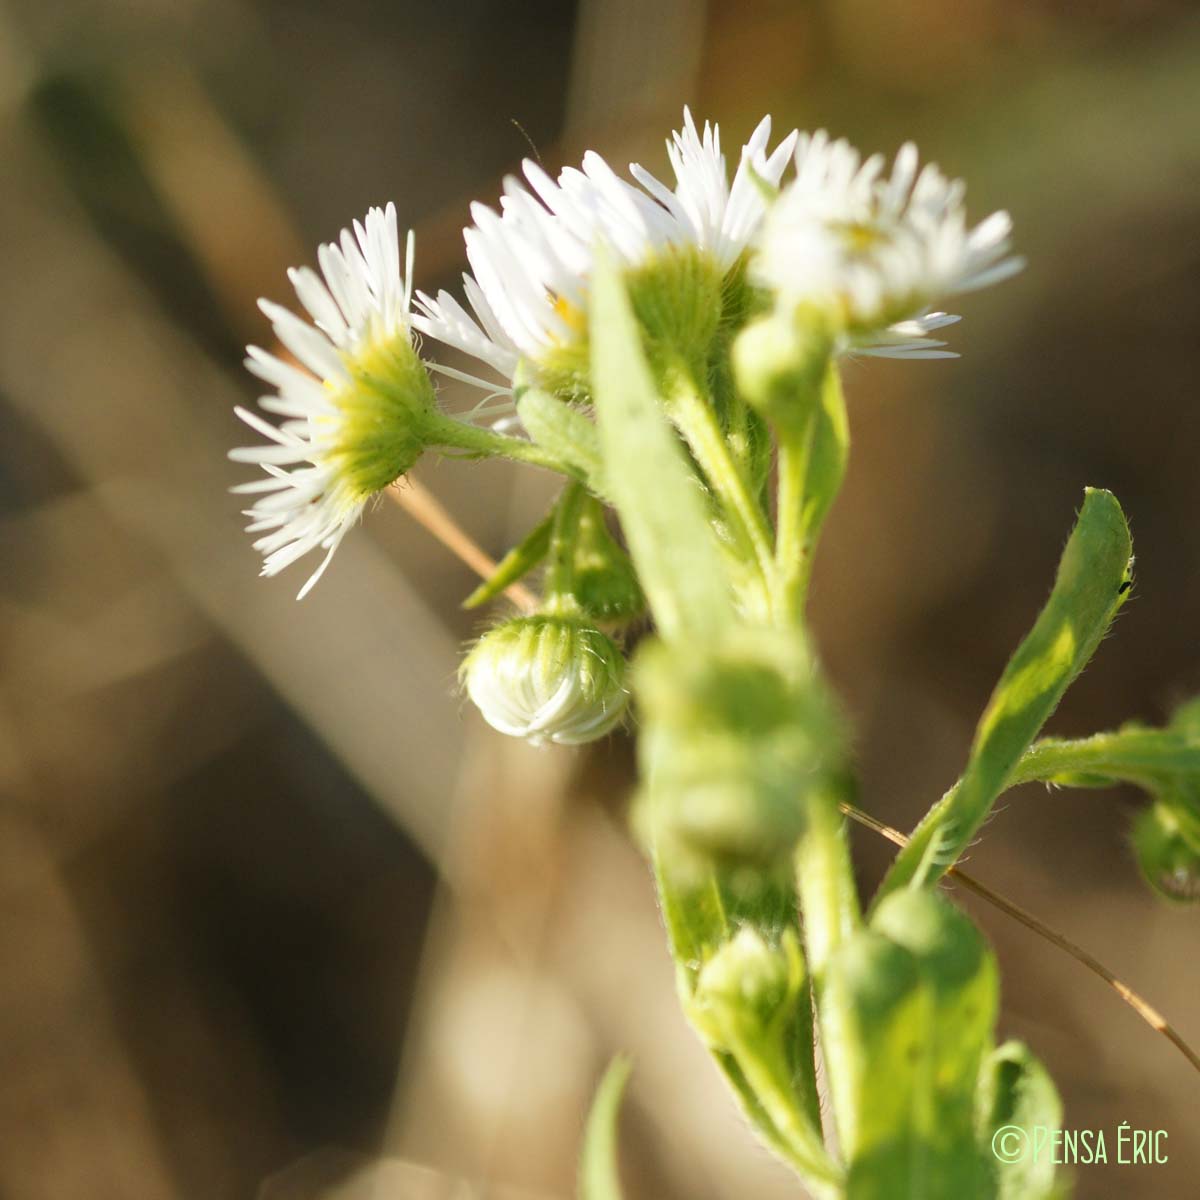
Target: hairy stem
(487,443)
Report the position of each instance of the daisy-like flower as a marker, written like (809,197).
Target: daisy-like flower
(874,253)
(358,409)
(532,261)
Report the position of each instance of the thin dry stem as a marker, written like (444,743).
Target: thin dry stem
(1145,1010)
(425,508)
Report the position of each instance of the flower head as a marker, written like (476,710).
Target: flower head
(355,408)
(547,678)
(531,262)
(875,253)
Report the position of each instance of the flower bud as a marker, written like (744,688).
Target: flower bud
(734,736)
(1166,840)
(747,989)
(547,678)
(779,361)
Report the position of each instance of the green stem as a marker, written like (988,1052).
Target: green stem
(560,575)
(813,450)
(831,913)
(1144,757)
(697,421)
(487,443)
(792,548)
(825,881)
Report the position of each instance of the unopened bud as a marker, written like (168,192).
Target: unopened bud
(779,361)
(547,678)
(747,989)
(733,738)
(1166,840)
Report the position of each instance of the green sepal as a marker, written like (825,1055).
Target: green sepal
(1016,1098)
(1092,582)
(647,476)
(599,1177)
(524,557)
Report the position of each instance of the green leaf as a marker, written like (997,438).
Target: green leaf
(515,565)
(599,1178)
(813,453)
(647,477)
(961,972)
(1093,578)
(828,454)
(907,1011)
(752,1002)
(877,1022)
(1016,1098)
(563,430)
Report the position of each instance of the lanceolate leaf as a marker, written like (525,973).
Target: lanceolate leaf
(599,1178)
(1093,578)
(646,475)
(515,565)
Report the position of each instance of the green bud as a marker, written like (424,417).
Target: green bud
(733,736)
(779,361)
(1166,840)
(747,990)
(547,678)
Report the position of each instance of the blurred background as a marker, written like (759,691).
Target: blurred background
(279,917)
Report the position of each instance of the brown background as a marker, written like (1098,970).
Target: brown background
(278,916)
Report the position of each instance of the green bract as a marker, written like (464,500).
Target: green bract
(681,300)
(388,415)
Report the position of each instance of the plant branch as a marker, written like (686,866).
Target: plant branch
(1142,1007)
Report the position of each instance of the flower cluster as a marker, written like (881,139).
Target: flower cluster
(837,248)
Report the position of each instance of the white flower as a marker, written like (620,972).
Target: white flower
(877,252)
(547,678)
(532,261)
(353,409)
